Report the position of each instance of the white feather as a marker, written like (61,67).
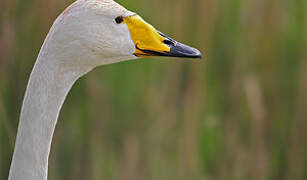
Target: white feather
(84,36)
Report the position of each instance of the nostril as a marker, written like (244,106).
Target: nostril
(168,42)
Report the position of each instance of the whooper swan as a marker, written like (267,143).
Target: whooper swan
(89,33)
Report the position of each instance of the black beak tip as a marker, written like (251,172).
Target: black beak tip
(180,50)
(184,51)
(196,54)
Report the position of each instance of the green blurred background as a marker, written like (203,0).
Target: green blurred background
(240,113)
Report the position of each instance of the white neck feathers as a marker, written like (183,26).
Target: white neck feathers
(83,37)
(48,86)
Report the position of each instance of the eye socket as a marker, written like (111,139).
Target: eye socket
(119,19)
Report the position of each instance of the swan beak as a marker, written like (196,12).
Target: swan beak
(150,42)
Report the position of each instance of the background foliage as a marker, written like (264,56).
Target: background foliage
(240,113)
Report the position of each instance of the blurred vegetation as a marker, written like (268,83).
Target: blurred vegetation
(240,113)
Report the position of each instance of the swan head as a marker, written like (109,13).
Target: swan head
(98,32)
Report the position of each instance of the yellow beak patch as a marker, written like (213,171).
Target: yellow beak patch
(145,36)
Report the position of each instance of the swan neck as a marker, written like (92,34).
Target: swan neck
(47,89)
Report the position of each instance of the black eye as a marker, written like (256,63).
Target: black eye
(119,19)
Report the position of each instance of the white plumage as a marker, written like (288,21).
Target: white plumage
(83,37)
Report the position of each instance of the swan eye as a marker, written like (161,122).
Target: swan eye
(119,19)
